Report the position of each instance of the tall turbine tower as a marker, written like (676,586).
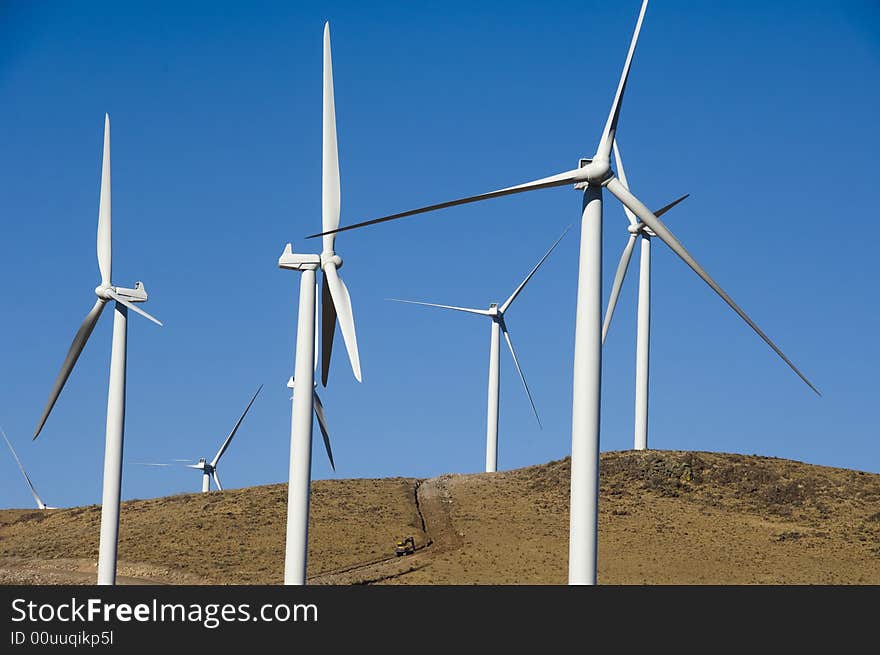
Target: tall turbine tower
(496,313)
(335,306)
(592,176)
(124,300)
(637,230)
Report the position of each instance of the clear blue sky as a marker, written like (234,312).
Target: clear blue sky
(765,112)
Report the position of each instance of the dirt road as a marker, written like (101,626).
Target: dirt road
(431,501)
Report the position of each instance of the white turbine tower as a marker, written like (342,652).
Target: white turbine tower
(335,305)
(40,503)
(498,326)
(124,300)
(592,175)
(637,230)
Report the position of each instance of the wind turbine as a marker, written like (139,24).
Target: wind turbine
(496,314)
(592,175)
(335,306)
(124,299)
(637,230)
(40,503)
(209,469)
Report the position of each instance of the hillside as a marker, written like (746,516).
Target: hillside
(665,518)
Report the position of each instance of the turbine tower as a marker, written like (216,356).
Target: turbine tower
(498,326)
(40,503)
(637,230)
(592,175)
(124,300)
(335,307)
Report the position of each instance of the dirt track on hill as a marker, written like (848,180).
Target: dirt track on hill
(431,500)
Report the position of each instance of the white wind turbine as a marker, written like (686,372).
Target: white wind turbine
(40,503)
(335,305)
(124,300)
(592,175)
(496,314)
(209,469)
(637,230)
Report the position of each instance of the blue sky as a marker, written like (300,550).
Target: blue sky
(764,112)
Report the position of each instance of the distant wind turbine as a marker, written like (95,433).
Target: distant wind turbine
(124,300)
(496,313)
(209,469)
(40,503)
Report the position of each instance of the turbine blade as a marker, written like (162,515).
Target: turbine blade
(79,342)
(658,213)
(39,501)
(105,255)
(216,480)
(544,183)
(481,312)
(622,175)
(325,433)
(618,283)
(132,306)
(328,329)
(519,370)
(522,284)
(330,188)
(342,303)
(150,464)
(234,429)
(649,219)
(604,149)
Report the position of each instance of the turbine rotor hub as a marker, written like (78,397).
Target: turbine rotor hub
(102,292)
(599,171)
(593,171)
(331,257)
(641,229)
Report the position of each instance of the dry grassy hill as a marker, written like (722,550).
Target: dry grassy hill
(665,518)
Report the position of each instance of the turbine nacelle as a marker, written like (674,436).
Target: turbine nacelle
(106,291)
(298,261)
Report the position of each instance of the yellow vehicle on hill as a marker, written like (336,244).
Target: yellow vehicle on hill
(405,547)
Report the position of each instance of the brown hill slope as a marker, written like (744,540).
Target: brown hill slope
(665,517)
